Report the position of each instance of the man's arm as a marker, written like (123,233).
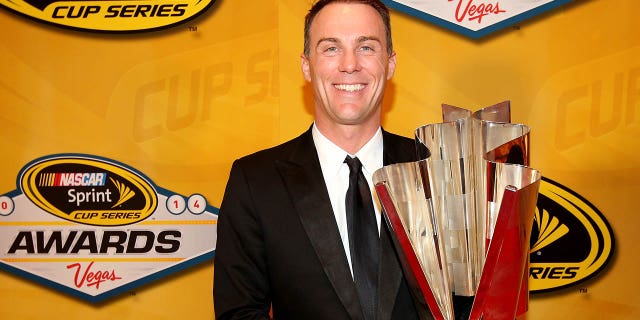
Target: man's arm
(241,286)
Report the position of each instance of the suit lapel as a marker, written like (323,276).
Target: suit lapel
(390,276)
(303,178)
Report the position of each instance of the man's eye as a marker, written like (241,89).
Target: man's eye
(367,49)
(330,50)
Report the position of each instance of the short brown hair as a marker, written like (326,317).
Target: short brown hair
(376,4)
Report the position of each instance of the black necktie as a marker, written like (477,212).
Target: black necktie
(364,241)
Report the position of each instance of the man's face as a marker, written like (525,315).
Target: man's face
(348,64)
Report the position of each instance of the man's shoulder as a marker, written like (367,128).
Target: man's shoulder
(279,152)
(396,138)
(399,148)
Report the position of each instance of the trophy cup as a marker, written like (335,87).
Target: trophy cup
(461,217)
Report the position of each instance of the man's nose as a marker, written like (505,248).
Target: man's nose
(350,62)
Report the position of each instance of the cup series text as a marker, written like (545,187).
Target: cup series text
(120,11)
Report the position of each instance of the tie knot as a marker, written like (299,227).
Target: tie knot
(354,164)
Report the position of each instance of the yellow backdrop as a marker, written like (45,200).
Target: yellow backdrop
(180,104)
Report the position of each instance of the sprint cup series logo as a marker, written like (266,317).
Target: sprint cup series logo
(571,240)
(89,191)
(474,18)
(110,15)
(93,227)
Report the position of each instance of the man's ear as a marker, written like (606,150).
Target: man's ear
(304,63)
(391,67)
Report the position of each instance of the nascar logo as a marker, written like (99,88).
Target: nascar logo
(113,16)
(474,18)
(72,179)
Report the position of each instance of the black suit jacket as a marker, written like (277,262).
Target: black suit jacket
(278,241)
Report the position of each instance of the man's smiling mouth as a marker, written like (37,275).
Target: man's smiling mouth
(349,87)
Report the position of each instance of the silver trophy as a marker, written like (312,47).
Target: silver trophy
(461,217)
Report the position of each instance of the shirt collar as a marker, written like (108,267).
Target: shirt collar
(332,157)
(371,153)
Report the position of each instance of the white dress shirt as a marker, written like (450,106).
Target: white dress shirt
(336,176)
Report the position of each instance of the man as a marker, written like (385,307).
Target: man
(283,235)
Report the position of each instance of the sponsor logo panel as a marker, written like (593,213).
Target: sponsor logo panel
(95,246)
